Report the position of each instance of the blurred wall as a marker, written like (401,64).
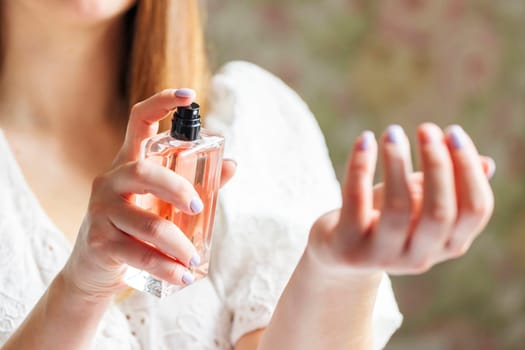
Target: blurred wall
(367,64)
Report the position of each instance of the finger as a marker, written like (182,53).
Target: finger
(475,198)
(438,212)
(145,176)
(415,181)
(393,225)
(229,166)
(489,166)
(134,253)
(358,183)
(144,117)
(151,228)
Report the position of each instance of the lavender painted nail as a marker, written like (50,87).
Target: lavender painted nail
(367,138)
(185,93)
(195,260)
(196,205)
(395,134)
(457,136)
(187,278)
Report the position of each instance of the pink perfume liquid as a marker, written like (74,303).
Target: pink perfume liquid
(201,165)
(200,162)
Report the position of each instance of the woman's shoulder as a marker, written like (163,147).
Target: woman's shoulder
(246,99)
(248,74)
(266,123)
(252,83)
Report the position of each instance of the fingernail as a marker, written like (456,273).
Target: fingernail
(230,160)
(186,93)
(457,136)
(195,260)
(367,138)
(395,134)
(187,278)
(196,205)
(492,168)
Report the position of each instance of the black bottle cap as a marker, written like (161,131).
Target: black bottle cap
(186,123)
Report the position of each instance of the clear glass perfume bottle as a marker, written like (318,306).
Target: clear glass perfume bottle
(196,154)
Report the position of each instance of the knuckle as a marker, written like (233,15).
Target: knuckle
(173,273)
(359,169)
(398,206)
(436,162)
(477,209)
(98,183)
(396,217)
(459,250)
(356,185)
(134,109)
(422,265)
(96,239)
(354,194)
(154,228)
(141,169)
(441,213)
(149,260)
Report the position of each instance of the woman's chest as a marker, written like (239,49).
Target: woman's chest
(61,183)
(59,172)
(64,199)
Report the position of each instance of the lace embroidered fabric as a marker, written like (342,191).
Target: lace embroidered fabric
(283,183)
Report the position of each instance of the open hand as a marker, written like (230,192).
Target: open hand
(412,221)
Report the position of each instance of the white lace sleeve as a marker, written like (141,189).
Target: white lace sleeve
(284,182)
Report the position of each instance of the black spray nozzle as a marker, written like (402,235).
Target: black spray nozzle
(186,122)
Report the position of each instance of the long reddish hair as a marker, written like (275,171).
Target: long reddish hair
(166,49)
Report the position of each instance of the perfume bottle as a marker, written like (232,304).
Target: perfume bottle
(196,154)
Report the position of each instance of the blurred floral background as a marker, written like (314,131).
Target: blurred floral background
(369,63)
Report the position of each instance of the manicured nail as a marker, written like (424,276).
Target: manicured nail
(492,168)
(187,278)
(186,93)
(195,260)
(367,138)
(230,160)
(395,134)
(196,205)
(457,136)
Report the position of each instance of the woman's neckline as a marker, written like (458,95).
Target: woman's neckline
(16,170)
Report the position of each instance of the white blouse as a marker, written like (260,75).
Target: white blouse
(284,181)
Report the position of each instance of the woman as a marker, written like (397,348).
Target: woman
(69,72)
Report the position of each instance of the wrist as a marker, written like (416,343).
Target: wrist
(324,307)
(338,274)
(64,285)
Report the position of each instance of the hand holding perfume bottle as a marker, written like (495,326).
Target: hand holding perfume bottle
(179,180)
(196,155)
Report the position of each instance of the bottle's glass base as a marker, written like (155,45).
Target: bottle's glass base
(144,282)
